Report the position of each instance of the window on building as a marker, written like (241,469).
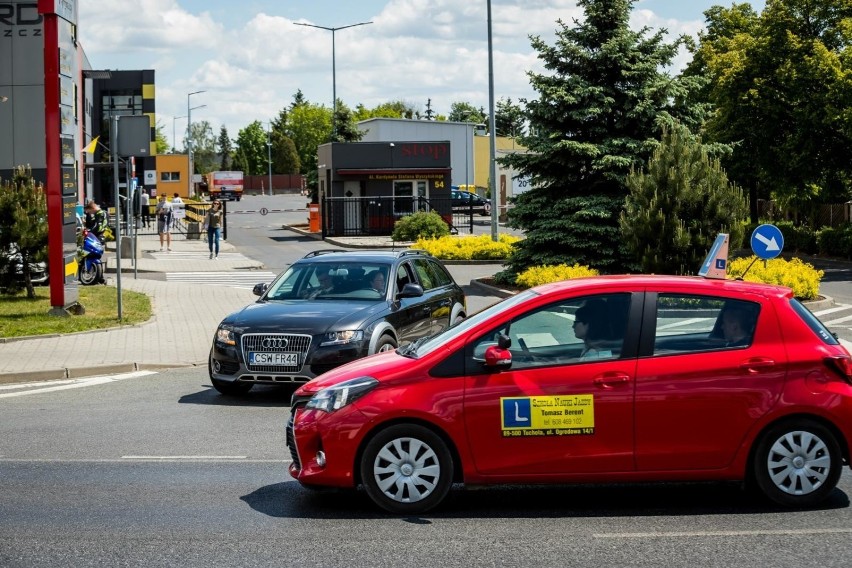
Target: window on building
(169,176)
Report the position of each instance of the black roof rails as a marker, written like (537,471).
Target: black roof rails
(322,251)
(406,252)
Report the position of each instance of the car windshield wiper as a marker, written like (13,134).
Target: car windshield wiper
(411,348)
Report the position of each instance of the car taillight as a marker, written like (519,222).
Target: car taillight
(841,364)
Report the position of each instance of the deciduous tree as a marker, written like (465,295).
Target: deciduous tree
(781,83)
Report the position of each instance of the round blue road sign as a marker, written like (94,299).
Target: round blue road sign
(767,241)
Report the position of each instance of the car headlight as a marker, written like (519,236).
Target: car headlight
(338,396)
(225,334)
(341,337)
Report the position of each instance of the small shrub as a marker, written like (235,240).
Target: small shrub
(802,277)
(480,247)
(420,225)
(797,238)
(537,275)
(835,241)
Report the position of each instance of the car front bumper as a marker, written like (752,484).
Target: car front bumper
(228,363)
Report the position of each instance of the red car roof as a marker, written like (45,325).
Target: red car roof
(695,284)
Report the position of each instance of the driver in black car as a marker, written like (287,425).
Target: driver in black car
(326,285)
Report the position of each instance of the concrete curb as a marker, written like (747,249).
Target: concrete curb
(477,283)
(60,374)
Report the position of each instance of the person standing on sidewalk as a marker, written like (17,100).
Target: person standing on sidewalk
(145,209)
(177,203)
(213,224)
(164,222)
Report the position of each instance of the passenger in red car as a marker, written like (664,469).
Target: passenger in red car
(589,325)
(736,327)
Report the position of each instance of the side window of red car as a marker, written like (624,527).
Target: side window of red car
(585,329)
(703,323)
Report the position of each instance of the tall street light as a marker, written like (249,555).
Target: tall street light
(333,69)
(269,155)
(495,186)
(174,131)
(189,138)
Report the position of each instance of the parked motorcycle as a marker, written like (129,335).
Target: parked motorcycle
(89,254)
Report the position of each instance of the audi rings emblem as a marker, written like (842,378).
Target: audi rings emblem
(274,343)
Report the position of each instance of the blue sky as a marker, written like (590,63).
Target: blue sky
(250,57)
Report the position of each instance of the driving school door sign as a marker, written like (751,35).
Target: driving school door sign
(567,415)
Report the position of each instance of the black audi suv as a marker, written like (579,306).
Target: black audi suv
(329,308)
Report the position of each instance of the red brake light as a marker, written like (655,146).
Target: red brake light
(841,364)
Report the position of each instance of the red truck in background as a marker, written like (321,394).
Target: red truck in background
(225,185)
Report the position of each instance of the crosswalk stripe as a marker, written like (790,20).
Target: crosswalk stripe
(836,308)
(198,256)
(838,321)
(230,279)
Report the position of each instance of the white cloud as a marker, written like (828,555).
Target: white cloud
(414,50)
(112,26)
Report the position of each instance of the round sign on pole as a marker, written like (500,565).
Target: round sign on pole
(264,210)
(767,241)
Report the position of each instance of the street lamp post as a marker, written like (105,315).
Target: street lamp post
(269,158)
(333,69)
(189,138)
(495,186)
(174,131)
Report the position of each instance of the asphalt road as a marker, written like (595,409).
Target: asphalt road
(159,470)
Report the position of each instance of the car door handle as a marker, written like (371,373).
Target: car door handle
(613,380)
(756,364)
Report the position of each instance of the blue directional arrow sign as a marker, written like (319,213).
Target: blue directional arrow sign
(767,241)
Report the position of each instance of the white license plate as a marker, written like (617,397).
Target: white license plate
(288,359)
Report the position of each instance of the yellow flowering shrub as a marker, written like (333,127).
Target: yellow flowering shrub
(480,247)
(801,276)
(546,274)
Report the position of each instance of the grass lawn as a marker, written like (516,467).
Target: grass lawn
(20,316)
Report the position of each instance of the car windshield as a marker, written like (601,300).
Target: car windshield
(427,346)
(323,281)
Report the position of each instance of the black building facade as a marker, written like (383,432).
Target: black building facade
(365,187)
(119,93)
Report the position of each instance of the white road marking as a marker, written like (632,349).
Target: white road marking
(73,384)
(184,457)
(837,308)
(683,322)
(123,460)
(231,279)
(682,534)
(837,321)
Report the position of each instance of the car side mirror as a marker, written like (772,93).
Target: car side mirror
(498,357)
(260,288)
(411,290)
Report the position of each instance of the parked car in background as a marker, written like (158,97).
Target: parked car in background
(604,379)
(466,202)
(329,308)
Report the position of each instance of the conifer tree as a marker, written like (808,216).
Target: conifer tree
(599,114)
(23,229)
(226,149)
(679,205)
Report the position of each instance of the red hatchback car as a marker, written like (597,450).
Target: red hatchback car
(605,379)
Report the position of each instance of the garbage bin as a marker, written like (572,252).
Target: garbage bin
(193,231)
(314,217)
